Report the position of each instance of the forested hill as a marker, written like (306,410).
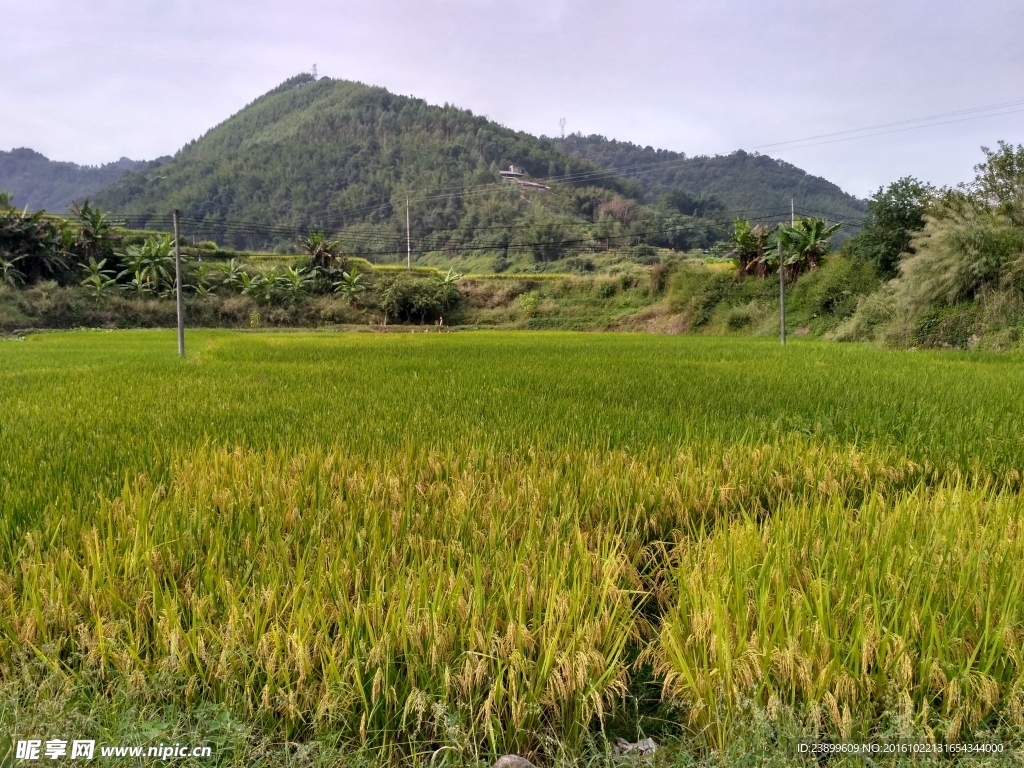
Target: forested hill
(334,154)
(343,157)
(740,180)
(41,183)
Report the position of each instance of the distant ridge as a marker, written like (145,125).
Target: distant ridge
(741,180)
(41,183)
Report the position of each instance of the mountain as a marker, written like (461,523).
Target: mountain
(45,184)
(741,180)
(331,154)
(344,157)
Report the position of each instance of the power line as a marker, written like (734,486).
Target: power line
(897,130)
(1004,105)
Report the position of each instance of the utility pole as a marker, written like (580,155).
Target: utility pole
(782,298)
(561,122)
(177,283)
(792,212)
(408,237)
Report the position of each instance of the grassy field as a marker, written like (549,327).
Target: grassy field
(435,548)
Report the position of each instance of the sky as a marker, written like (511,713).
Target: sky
(91,82)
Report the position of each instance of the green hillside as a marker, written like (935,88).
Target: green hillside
(44,184)
(343,157)
(741,181)
(335,155)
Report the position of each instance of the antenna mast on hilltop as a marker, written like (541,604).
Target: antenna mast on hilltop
(561,122)
(314,72)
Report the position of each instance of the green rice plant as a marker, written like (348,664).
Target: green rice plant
(912,604)
(408,545)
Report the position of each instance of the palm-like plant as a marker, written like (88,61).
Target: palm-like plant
(231,274)
(136,261)
(249,285)
(269,283)
(447,290)
(38,243)
(160,263)
(98,278)
(323,251)
(351,285)
(751,246)
(95,232)
(204,285)
(451,278)
(9,273)
(296,282)
(806,243)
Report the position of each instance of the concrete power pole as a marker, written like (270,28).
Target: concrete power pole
(177,283)
(408,238)
(782,298)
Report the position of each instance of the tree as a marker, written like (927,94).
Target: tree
(999,181)
(895,214)
(806,243)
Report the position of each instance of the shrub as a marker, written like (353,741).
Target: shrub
(643,254)
(411,298)
(738,318)
(579,264)
(834,288)
(697,291)
(945,326)
(959,255)
(660,275)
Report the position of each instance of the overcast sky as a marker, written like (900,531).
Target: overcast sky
(93,81)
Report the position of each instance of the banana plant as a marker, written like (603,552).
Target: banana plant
(321,249)
(451,278)
(10,274)
(267,287)
(351,285)
(447,289)
(753,248)
(98,279)
(96,236)
(204,285)
(231,274)
(249,285)
(160,263)
(136,260)
(806,243)
(296,282)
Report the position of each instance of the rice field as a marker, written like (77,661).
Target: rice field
(439,548)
